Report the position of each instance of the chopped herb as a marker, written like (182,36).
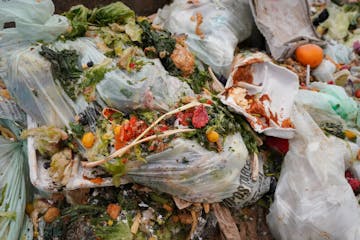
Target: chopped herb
(333,129)
(198,80)
(147,116)
(77,129)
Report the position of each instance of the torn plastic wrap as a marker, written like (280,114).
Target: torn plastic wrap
(150,88)
(224,25)
(271,88)
(285,25)
(192,173)
(312,193)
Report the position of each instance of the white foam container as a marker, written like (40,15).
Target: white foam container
(279,83)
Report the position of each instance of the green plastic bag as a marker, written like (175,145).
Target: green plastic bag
(15,188)
(331,99)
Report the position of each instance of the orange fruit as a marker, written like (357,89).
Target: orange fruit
(309,54)
(212,136)
(88,139)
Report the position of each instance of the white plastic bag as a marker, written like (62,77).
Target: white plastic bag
(325,71)
(150,88)
(225,24)
(313,199)
(250,191)
(34,20)
(192,173)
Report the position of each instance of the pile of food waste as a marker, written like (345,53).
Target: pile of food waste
(118,126)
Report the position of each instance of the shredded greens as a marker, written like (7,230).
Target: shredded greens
(65,68)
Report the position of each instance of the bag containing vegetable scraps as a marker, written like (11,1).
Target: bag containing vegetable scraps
(31,83)
(190,172)
(149,88)
(312,193)
(15,185)
(214,28)
(43,79)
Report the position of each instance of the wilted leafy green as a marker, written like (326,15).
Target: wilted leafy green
(116,12)
(81,17)
(94,75)
(78,16)
(133,31)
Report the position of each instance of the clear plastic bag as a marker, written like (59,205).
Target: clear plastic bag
(24,72)
(150,88)
(31,83)
(313,199)
(192,173)
(225,24)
